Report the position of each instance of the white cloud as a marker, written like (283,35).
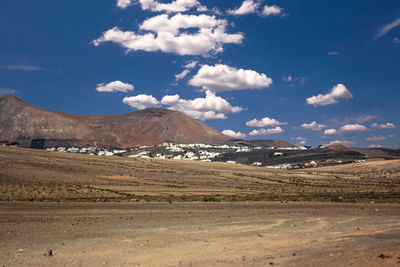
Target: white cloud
(387,125)
(314,126)
(276,130)
(174,6)
(339,91)
(265,122)
(210,107)
(124,3)
(168,35)
(353,128)
(396,40)
(247,7)
(225,78)
(24,67)
(391,136)
(375,138)
(287,78)
(386,28)
(331,131)
(234,134)
(141,101)
(340,142)
(375,146)
(191,64)
(271,10)
(116,86)
(181,75)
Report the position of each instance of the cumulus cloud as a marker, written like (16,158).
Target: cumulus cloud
(276,130)
(301,140)
(210,107)
(181,75)
(167,34)
(375,138)
(141,101)
(271,10)
(340,142)
(191,64)
(337,92)
(331,131)
(386,28)
(314,126)
(237,135)
(225,78)
(396,40)
(387,125)
(265,122)
(124,3)
(116,86)
(353,128)
(156,6)
(247,7)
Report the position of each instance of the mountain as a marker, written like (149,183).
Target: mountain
(32,126)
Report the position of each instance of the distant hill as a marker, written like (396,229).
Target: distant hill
(26,124)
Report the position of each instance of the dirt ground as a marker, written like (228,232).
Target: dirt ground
(114,211)
(37,175)
(199,234)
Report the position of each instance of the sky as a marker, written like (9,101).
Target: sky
(313,72)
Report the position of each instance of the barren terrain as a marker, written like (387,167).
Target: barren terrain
(115,211)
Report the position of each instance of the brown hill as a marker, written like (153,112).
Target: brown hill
(21,122)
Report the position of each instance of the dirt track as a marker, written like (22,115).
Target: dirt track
(199,234)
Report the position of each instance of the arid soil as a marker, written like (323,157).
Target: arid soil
(37,175)
(114,211)
(199,234)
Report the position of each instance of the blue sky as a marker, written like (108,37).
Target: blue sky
(316,71)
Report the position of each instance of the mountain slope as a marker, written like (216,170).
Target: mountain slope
(21,122)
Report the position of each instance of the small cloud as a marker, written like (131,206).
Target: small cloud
(340,142)
(337,92)
(333,53)
(276,130)
(287,78)
(116,86)
(181,75)
(387,125)
(396,40)
(314,126)
(331,132)
(301,79)
(353,128)
(375,146)
(391,136)
(301,140)
(124,3)
(247,7)
(191,64)
(386,28)
(271,10)
(375,138)
(265,122)
(7,91)
(141,101)
(234,134)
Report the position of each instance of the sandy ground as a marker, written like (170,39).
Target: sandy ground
(199,234)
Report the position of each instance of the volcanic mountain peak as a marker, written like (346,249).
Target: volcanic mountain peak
(21,122)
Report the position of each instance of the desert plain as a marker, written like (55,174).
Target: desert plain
(60,209)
